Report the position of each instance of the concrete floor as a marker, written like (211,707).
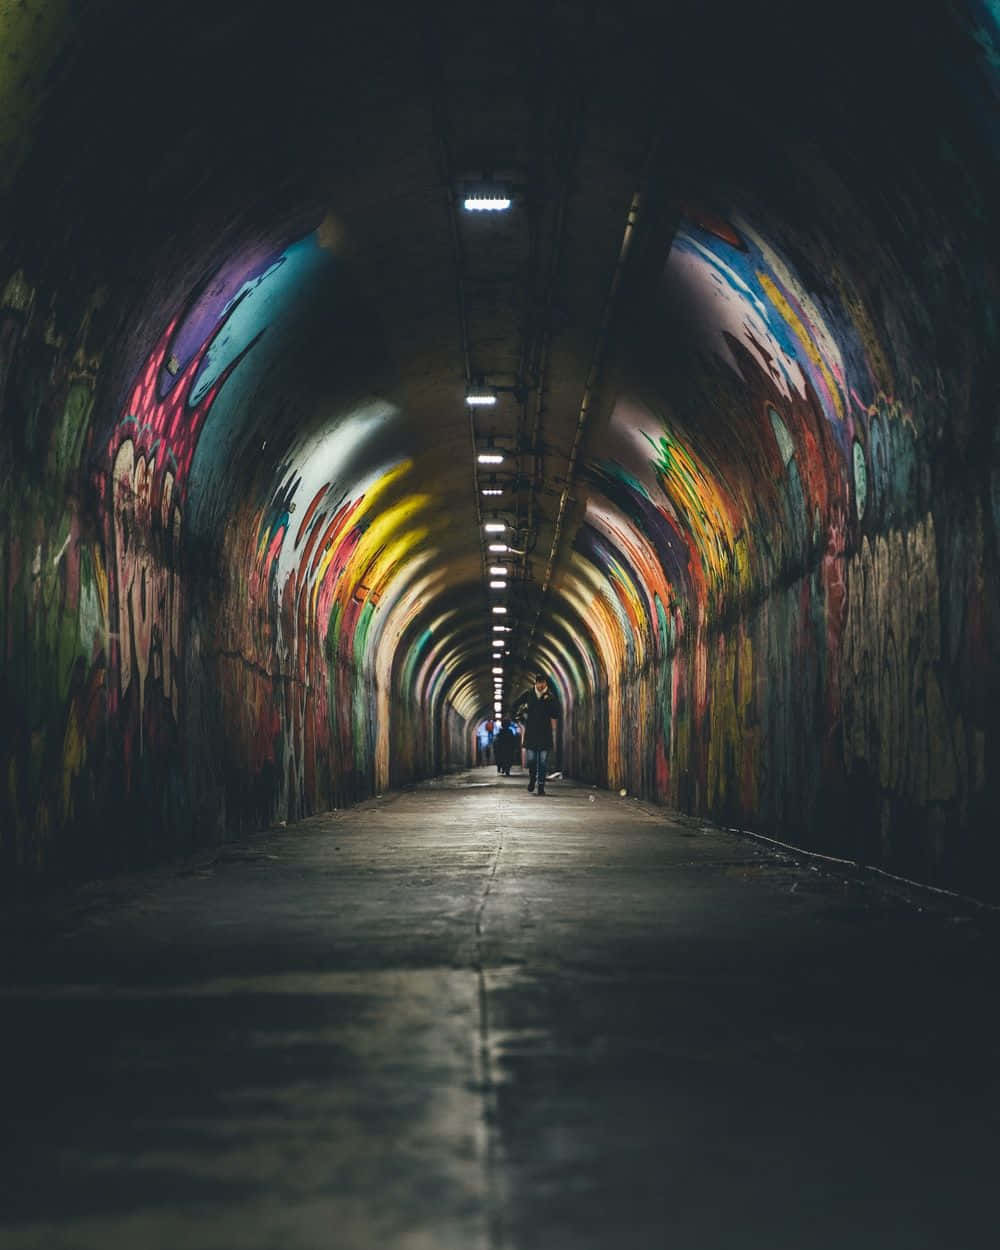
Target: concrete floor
(466,1017)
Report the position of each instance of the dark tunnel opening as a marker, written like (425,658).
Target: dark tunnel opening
(740,326)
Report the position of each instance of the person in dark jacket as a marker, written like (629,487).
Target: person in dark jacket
(503,749)
(538,711)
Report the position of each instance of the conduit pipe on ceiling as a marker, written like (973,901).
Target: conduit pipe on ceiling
(596,364)
(541,361)
(440,123)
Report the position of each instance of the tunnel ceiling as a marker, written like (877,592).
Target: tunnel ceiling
(247,224)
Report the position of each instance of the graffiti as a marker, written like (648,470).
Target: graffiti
(895,714)
(148,582)
(53,581)
(235,594)
(860,479)
(763,566)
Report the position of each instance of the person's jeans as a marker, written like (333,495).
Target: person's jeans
(537,765)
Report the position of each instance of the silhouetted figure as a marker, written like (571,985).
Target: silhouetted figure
(538,711)
(504,745)
(483,740)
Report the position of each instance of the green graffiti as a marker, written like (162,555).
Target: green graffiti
(784,440)
(860,479)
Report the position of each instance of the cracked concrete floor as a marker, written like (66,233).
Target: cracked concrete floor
(465,1017)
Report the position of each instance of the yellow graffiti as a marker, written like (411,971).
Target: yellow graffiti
(802,333)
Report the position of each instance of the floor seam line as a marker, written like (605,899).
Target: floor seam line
(495,1239)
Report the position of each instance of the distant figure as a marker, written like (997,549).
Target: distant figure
(538,711)
(504,745)
(483,739)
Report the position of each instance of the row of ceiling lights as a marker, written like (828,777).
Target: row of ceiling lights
(492,200)
(481,397)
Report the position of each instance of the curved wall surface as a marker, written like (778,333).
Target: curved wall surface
(752,486)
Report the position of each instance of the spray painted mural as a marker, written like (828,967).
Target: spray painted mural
(227,593)
(203,655)
(762,579)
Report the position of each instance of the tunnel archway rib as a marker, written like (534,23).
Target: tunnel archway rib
(243,568)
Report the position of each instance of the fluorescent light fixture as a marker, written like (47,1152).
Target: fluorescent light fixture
(498,585)
(494,527)
(480,397)
(498,570)
(498,547)
(490,457)
(499,629)
(492,490)
(499,611)
(486,203)
(497,670)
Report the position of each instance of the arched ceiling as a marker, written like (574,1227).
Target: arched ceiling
(261,208)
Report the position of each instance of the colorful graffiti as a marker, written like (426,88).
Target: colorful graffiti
(233,589)
(53,576)
(759,578)
(214,696)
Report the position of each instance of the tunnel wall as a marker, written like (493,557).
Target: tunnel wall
(184,657)
(792,531)
(779,604)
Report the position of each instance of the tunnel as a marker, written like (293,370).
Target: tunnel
(358,363)
(744,385)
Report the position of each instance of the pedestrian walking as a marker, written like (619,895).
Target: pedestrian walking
(503,749)
(539,712)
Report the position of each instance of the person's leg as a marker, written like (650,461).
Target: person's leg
(543,758)
(532,767)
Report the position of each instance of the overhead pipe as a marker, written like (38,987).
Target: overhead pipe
(596,366)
